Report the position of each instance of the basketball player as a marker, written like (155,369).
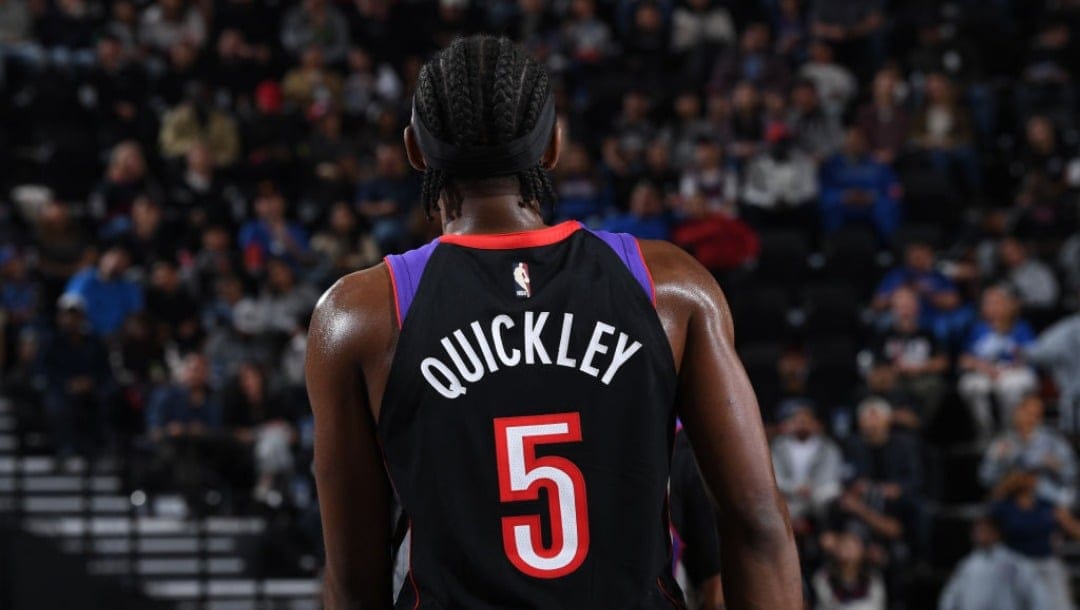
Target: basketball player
(519,383)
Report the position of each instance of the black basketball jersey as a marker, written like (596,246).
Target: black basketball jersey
(527,423)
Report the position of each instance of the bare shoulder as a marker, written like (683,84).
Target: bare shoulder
(356,315)
(681,281)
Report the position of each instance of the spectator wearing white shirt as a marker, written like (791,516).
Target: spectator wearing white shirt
(1031,446)
(808,463)
(993,577)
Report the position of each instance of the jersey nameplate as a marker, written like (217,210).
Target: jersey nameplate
(479,349)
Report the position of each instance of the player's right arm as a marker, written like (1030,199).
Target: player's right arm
(351,334)
(760,566)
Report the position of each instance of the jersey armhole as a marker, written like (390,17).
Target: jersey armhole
(406,270)
(648,272)
(394,289)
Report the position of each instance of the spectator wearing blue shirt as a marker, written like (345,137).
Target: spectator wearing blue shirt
(187,407)
(992,363)
(271,234)
(857,188)
(109,297)
(19,294)
(939,299)
(646,219)
(78,381)
(386,199)
(1028,526)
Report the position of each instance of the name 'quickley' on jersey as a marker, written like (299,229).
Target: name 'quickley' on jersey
(467,360)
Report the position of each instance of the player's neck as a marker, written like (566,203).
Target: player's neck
(491,214)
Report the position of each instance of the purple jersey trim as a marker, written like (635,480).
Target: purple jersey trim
(405,272)
(626,247)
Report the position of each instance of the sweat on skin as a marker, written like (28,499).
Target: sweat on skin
(534,339)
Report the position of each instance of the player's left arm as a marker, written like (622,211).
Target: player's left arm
(354,491)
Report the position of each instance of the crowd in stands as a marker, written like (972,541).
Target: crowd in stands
(887,190)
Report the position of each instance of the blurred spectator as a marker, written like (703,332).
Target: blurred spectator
(993,577)
(312,82)
(198,191)
(887,476)
(856,188)
(937,293)
(316,23)
(700,24)
(171,305)
(942,130)
(1033,279)
(848,581)
(1058,349)
(883,119)
(835,84)
(581,190)
(125,180)
(78,382)
(67,29)
(261,421)
(149,237)
(752,61)
(1028,526)
(196,120)
(646,44)
(710,180)
(816,133)
(586,38)
(61,246)
(647,218)
(717,240)
(780,183)
(746,122)
(16,23)
(914,355)
(344,247)
(186,407)
(386,199)
(1031,446)
(284,301)
(854,26)
(168,22)
(270,133)
(244,339)
(107,294)
(808,464)
(118,90)
(688,129)
(624,148)
(992,362)
(20,295)
(1048,75)
(240,64)
(270,233)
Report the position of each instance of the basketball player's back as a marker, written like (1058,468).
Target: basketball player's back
(527,422)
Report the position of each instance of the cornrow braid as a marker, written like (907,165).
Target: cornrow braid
(481,90)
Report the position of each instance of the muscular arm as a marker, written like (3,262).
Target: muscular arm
(350,328)
(721,415)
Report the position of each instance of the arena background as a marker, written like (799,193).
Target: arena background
(887,190)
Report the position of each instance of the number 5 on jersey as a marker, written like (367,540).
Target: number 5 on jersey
(521,477)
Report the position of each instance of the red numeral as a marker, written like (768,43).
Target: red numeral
(521,477)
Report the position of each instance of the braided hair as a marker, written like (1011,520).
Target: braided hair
(481,90)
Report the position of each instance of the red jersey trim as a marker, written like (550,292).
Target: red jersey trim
(648,272)
(512,241)
(394,289)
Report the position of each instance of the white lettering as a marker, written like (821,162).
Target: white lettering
(533,348)
(514,356)
(478,367)
(485,349)
(449,386)
(564,342)
(595,347)
(622,354)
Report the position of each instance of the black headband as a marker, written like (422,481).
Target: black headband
(481,161)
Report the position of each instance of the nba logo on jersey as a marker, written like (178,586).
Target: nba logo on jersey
(521,278)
